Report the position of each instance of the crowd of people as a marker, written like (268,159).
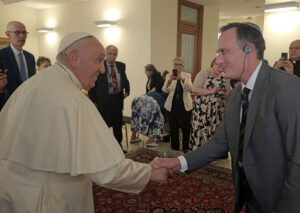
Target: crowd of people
(74,147)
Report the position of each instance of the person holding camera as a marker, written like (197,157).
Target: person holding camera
(178,86)
(210,89)
(291,65)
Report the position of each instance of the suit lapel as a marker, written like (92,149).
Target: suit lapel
(255,101)
(30,66)
(14,64)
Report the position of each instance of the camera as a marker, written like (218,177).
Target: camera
(175,72)
(284,56)
(221,92)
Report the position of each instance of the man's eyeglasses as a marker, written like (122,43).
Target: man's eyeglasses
(17,32)
(294,48)
(178,64)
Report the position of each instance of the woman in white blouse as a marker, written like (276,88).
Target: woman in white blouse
(178,86)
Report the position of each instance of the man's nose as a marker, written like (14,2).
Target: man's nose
(219,59)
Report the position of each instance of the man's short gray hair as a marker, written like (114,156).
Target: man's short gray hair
(178,59)
(111,46)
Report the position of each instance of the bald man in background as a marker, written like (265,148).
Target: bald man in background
(19,63)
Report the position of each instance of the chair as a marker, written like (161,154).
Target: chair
(126,133)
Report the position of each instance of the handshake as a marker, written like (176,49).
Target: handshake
(162,167)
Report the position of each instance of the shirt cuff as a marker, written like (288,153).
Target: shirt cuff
(183,163)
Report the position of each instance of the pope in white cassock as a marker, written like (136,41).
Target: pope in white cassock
(54,143)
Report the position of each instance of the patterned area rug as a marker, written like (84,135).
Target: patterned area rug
(208,189)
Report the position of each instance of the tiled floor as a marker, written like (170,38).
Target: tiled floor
(163,147)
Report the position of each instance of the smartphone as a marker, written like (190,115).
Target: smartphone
(284,56)
(221,92)
(175,72)
(1,66)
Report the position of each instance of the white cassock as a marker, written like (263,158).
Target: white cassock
(54,143)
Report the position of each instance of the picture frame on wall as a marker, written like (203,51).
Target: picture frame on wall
(4,42)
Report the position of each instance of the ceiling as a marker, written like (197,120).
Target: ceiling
(42,4)
(227,8)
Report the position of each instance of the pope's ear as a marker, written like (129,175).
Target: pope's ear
(73,58)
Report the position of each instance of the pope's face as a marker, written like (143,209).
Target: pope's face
(230,57)
(91,59)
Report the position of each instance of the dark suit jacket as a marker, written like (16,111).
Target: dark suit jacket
(157,81)
(271,155)
(99,94)
(13,73)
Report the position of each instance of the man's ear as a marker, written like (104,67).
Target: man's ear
(7,34)
(73,58)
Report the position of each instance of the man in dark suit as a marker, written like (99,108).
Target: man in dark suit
(19,63)
(110,90)
(261,131)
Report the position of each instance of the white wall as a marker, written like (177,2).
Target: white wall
(133,27)
(280,29)
(163,33)
(147,32)
(209,36)
(25,15)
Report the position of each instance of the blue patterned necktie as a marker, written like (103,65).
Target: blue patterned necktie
(22,67)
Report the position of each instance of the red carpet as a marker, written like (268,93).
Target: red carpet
(209,189)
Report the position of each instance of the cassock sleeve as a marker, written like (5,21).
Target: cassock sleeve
(128,176)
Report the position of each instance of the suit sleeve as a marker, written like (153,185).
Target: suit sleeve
(288,114)
(126,82)
(210,151)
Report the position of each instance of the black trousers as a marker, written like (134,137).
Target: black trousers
(113,116)
(179,118)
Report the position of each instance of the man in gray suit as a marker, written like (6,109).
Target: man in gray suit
(265,146)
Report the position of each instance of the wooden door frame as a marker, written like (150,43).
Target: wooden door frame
(192,29)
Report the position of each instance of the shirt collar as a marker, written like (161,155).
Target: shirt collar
(251,82)
(15,51)
(109,65)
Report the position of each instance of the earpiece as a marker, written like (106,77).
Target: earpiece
(247,49)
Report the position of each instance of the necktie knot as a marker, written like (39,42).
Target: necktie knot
(245,94)
(246,91)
